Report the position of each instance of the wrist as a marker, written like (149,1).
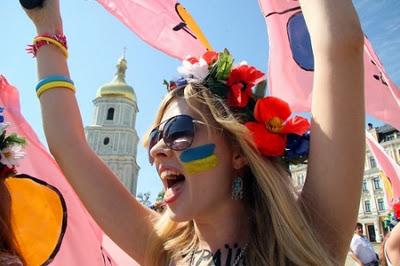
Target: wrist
(54,27)
(49,30)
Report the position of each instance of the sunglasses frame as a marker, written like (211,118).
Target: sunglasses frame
(160,133)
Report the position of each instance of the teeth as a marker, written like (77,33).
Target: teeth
(169,174)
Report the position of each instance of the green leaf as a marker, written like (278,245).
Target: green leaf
(166,83)
(2,138)
(260,89)
(223,65)
(14,139)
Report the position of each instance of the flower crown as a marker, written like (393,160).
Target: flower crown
(11,149)
(243,87)
(393,217)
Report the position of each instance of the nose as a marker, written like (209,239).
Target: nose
(159,151)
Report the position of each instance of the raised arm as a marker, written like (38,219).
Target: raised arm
(124,219)
(392,246)
(332,190)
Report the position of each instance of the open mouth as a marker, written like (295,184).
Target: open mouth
(173,180)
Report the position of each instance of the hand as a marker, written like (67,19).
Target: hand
(47,18)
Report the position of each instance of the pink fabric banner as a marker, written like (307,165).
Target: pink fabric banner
(390,168)
(82,240)
(163,24)
(291,64)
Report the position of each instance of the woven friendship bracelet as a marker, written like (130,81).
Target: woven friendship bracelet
(55,85)
(58,40)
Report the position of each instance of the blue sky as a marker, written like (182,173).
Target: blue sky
(96,41)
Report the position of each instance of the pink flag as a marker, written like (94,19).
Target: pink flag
(164,24)
(79,237)
(291,64)
(390,168)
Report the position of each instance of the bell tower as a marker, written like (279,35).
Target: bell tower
(112,134)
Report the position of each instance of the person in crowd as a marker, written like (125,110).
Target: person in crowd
(218,150)
(361,250)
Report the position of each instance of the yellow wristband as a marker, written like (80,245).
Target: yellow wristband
(54,42)
(55,85)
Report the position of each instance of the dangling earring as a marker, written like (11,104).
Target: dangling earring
(237,188)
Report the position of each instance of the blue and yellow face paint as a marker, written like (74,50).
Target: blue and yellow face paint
(199,159)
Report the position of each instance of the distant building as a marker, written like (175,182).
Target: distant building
(373,204)
(112,134)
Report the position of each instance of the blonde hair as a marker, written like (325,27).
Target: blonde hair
(280,233)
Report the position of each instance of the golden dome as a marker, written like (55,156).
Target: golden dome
(118,86)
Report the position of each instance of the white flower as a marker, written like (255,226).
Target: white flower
(196,72)
(11,155)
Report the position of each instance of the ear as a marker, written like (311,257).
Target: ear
(238,159)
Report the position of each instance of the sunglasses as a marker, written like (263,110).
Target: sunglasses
(178,133)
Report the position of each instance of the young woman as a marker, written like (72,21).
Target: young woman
(229,202)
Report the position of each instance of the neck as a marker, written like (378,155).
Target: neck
(224,225)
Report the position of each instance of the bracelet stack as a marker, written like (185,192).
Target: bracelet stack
(58,40)
(54,82)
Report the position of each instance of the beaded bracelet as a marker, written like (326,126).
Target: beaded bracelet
(54,82)
(58,40)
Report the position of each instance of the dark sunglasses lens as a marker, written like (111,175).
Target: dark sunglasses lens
(153,139)
(179,132)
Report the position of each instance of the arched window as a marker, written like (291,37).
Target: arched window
(106,140)
(110,114)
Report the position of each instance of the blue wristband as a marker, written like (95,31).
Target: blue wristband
(53,78)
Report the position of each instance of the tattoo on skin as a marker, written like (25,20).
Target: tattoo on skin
(206,257)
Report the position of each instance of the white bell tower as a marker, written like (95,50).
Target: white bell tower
(112,134)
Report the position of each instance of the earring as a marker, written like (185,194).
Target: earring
(237,188)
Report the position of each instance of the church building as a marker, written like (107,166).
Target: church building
(112,134)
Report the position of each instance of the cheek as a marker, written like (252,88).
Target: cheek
(199,159)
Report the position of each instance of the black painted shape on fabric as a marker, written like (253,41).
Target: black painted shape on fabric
(182,25)
(31,4)
(380,76)
(300,42)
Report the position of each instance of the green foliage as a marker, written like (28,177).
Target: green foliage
(223,66)
(144,198)
(260,89)
(6,141)
(160,196)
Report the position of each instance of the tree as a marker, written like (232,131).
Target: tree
(144,198)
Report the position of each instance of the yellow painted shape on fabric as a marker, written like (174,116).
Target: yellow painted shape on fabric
(193,26)
(37,216)
(202,165)
(388,186)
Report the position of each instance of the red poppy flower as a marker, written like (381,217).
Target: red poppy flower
(273,124)
(211,57)
(240,81)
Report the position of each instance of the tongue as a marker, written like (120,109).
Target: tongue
(172,192)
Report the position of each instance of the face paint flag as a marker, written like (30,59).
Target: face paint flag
(291,64)
(164,24)
(391,170)
(50,223)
